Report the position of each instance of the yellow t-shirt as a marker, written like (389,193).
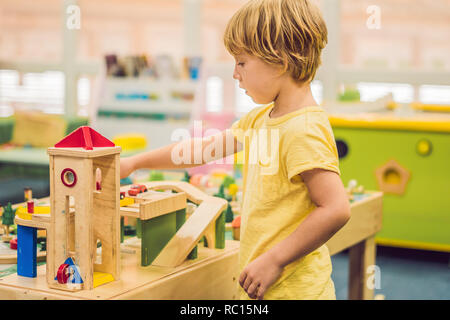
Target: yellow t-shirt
(276,200)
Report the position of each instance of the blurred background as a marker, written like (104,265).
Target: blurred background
(138,70)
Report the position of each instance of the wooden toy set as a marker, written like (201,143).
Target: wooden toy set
(85,257)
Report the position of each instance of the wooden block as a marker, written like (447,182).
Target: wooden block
(42,222)
(106,217)
(130,212)
(181,218)
(190,233)
(26,251)
(138,228)
(22,212)
(237,233)
(193,194)
(102,278)
(154,204)
(220,231)
(210,236)
(168,203)
(127,201)
(156,233)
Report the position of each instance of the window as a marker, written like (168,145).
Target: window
(403,93)
(39,91)
(84,96)
(434,94)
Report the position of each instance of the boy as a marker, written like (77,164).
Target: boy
(294,200)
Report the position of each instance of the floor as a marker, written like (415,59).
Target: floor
(405,274)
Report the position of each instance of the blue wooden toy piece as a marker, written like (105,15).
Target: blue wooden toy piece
(26,251)
(74,270)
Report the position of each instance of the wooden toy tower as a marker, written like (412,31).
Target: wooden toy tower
(84,201)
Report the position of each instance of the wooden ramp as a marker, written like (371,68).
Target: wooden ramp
(204,217)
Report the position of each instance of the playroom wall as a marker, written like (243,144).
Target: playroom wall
(47,67)
(412,35)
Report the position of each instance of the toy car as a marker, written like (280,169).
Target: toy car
(136,189)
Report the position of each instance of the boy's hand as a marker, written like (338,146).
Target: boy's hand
(259,275)
(126,167)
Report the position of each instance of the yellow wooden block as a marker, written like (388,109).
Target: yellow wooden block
(126,202)
(233,189)
(22,212)
(42,233)
(102,278)
(131,141)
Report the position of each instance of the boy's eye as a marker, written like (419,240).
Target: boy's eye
(240,64)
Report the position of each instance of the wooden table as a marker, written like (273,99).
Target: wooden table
(213,275)
(358,235)
(215,266)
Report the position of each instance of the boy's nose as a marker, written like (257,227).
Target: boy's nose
(236,75)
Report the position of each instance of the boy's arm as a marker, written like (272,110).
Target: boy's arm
(331,214)
(184,154)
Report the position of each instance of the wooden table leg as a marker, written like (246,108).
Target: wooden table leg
(361,256)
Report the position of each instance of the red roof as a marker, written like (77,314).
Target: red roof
(84,137)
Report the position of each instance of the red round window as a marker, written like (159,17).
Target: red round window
(68,177)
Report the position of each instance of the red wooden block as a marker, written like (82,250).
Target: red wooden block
(13,244)
(236,222)
(63,273)
(30,206)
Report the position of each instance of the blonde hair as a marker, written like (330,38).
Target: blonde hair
(289,33)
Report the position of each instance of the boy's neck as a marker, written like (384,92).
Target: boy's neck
(292,97)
